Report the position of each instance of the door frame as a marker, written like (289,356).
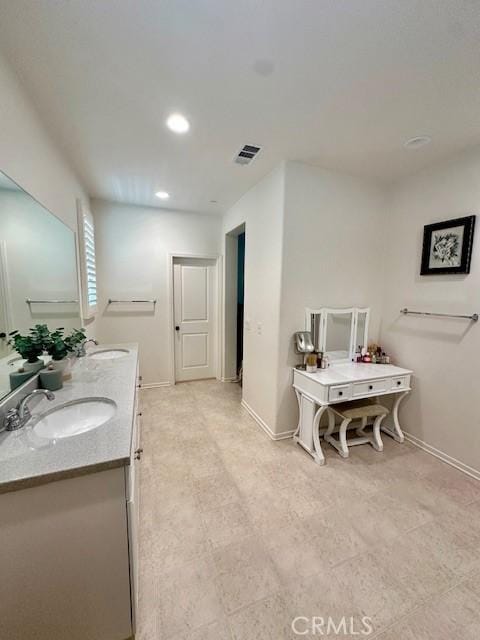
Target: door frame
(229,321)
(218,313)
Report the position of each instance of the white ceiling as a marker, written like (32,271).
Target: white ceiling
(338,83)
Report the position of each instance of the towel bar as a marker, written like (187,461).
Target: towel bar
(30,301)
(473,317)
(110,301)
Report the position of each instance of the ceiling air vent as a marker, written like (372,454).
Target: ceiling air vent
(247,153)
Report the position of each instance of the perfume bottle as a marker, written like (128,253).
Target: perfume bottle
(311,362)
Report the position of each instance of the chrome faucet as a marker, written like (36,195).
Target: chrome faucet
(82,347)
(23,410)
(17,418)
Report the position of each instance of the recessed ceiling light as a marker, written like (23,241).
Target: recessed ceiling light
(163,195)
(178,123)
(417,142)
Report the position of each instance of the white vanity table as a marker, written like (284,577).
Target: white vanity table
(343,383)
(344,380)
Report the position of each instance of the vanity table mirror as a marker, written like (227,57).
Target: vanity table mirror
(38,273)
(337,332)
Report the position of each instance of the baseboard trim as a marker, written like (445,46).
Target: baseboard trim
(261,423)
(234,379)
(444,457)
(155,385)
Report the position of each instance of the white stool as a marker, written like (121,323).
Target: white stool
(351,411)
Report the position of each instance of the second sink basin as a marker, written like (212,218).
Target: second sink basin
(108,354)
(75,417)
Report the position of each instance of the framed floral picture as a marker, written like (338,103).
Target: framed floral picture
(447,246)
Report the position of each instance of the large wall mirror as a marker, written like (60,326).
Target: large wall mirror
(38,273)
(337,332)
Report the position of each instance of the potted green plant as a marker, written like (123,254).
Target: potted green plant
(29,347)
(62,349)
(75,339)
(56,348)
(41,334)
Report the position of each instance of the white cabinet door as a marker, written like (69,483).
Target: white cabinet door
(64,571)
(194,315)
(133,508)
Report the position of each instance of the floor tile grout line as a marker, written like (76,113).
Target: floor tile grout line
(260,530)
(423,603)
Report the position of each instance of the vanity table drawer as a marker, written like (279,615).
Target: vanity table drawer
(400,383)
(340,392)
(362,389)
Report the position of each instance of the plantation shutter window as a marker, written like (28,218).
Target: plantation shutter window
(86,233)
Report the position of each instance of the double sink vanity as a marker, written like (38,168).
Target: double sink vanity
(69,504)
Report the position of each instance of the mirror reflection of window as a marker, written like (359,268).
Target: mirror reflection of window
(339,326)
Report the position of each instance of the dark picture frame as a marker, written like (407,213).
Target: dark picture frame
(447,246)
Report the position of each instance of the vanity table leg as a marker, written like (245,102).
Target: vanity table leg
(318,454)
(304,434)
(307,433)
(376,435)
(299,400)
(395,431)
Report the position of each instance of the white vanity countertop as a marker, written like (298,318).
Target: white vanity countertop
(354,372)
(27,460)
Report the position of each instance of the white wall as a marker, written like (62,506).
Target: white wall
(133,244)
(28,156)
(261,210)
(444,354)
(41,261)
(304,232)
(332,256)
(316,237)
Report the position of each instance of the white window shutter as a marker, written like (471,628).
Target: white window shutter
(88,267)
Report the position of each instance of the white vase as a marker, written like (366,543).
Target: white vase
(33,366)
(65,366)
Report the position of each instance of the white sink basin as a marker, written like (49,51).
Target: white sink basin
(109,354)
(72,418)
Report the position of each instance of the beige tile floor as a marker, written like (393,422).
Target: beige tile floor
(239,534)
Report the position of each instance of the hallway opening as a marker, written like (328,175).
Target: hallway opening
(235,251)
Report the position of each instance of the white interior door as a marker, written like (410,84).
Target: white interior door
(195,318)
